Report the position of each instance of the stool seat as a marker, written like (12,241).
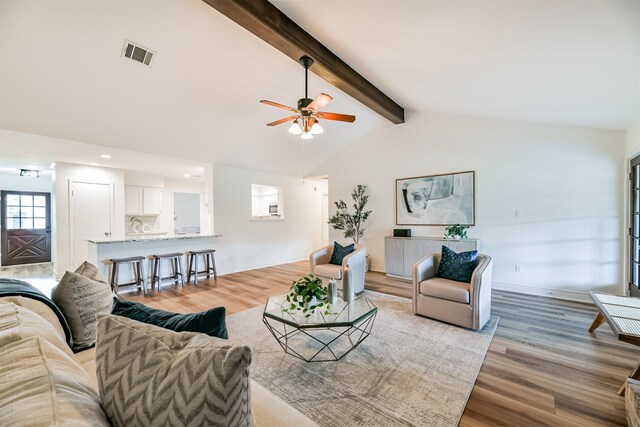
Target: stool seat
(171,255)
(138,273)
(175,258)
(202,251)
(130,259)
(210,264)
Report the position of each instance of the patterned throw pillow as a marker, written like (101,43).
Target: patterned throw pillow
(150,376)
(458,267)
(80,299)
(339,252)
(90,271)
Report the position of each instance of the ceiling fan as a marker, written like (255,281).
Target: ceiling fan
(305,122)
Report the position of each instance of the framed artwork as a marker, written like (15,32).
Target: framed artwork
(436,199)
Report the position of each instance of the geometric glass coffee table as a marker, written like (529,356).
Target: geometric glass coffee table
(320,337)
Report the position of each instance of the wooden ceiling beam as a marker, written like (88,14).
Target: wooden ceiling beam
(267,22)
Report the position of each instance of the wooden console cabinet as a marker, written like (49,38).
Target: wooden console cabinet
(400,253)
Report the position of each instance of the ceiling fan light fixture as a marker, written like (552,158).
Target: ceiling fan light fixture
(316,129)
(306,135)
(295,128)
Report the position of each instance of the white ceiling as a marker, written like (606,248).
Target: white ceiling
(62,75)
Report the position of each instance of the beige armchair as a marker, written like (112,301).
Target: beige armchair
(463,304)
(351,271)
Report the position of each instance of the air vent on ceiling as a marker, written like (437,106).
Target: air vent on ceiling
(137,53)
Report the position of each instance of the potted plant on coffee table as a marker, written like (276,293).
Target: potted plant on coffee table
(307,295)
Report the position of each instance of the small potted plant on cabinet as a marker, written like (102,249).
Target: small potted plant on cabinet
(456,232)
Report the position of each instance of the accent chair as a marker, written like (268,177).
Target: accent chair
(463,304)
(352,270)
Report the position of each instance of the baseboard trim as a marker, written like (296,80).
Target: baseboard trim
(543,292)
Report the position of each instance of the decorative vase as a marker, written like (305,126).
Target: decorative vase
(333,292)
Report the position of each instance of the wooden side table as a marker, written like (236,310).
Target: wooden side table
(623,316)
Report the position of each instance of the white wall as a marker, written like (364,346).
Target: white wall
(15,182)
(248,243)
(566,182)
(63,173)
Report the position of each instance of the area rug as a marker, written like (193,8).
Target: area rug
(411,371)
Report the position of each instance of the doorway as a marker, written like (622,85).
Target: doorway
(634,228)
(91,216)
(26,227)
(186,213)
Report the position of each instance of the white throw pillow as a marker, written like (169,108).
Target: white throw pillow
(151,376)
(43,386)
(90,271)
(80,299)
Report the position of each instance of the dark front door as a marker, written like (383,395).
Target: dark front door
(26,227)
(634,229)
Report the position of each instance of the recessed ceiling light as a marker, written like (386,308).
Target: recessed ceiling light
(93,164)
(105,156)
(186,175)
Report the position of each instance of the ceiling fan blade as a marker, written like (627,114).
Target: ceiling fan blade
(336,116)
(278,122)
(275,104)
(320,101)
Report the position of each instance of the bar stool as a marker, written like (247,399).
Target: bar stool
(137,271)
(210,262)
(156,269)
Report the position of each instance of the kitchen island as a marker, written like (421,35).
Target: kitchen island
(104,249)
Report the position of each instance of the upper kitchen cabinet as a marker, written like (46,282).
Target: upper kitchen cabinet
(142,200)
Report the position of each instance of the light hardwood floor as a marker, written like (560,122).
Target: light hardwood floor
(543,367)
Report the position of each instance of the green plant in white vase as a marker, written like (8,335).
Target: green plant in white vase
(456,231)
(307,295)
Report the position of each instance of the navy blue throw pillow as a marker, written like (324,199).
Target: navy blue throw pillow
(210,322)
(339,252)
(458,267)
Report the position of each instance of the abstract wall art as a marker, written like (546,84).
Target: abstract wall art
(436,199)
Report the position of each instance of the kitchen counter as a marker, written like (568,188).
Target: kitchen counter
(152,238)
(101,251)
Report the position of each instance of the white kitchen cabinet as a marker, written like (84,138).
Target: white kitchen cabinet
(401,253)
(151,201)
(142,200)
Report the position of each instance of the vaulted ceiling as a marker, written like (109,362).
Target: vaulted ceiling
(62,74)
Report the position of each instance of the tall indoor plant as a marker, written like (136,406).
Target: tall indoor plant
(352,224)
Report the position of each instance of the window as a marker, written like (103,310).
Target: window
(266,202)
(26,212)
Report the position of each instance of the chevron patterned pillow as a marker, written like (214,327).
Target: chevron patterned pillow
(150,376)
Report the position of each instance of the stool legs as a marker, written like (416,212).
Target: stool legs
(114,278)
(140,277)
(213,264)
(176,267)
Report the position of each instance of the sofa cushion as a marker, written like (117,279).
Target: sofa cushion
(43,386)
(181,378)
(90,271)
(446,289)
(339,252)
(17,323)
(459,267)
(328,270)
(80,299)
(210,322)
(39,308)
